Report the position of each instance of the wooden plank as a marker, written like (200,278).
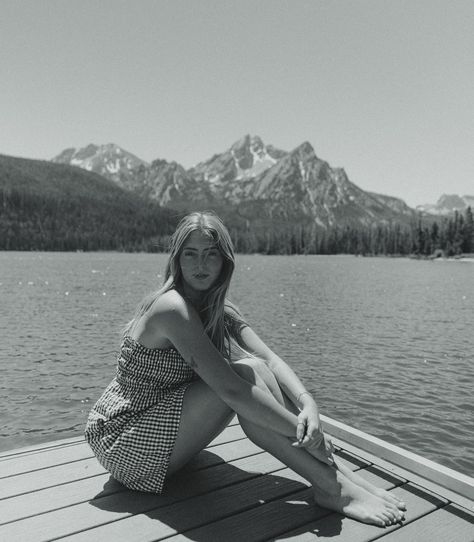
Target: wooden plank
(68,472)
(268,520)
(230,433)
(380,477)
(443,476)
(87,515)
(34,448)
(53,498)
(198,511)
(77,450)
(413,477)
(169,520)
(343,529)
(260,523)
(449,524)
(40,479)
(49,458)
(40,447)
(206,474)
(351,460)
(81,490)
(76,491)
(45,500)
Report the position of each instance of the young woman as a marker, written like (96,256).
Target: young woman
(189,361)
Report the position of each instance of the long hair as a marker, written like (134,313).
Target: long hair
(221,319)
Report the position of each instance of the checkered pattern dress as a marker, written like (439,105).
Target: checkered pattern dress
(133,426)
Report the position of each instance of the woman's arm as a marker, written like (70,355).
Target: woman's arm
(309,431)
(287,378)
(176,319)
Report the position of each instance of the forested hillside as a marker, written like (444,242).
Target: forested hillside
(45,206)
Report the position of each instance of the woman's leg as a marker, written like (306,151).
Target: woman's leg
(203,416)
(259,373)
(332,489)
(378,491)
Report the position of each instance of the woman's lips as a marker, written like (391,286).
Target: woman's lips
(201,276)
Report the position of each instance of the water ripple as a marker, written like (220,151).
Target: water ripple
(385,345)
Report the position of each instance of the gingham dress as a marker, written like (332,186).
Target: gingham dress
(133,426)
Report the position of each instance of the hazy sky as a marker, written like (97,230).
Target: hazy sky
(383,88)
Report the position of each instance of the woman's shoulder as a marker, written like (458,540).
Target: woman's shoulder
(232,310)
(170,301)
(233,318)
(171,306)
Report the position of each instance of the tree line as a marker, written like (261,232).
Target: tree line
(35,221)
(424,237)
(31,221)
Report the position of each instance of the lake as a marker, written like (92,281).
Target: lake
(386,345)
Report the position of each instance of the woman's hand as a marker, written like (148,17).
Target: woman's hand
(310,435)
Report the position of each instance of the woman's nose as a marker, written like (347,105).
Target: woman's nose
(201,262)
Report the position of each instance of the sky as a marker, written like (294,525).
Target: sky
(382,88)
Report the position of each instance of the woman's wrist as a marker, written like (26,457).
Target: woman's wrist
(305,398)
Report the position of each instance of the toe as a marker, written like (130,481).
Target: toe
(393,509)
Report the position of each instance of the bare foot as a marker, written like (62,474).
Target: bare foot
(357,503)
(386,495)
(377,491)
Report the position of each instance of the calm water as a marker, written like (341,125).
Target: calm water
(385,344)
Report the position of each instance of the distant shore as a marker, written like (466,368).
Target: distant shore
(440,257)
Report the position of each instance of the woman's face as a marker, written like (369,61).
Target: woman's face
(201,262)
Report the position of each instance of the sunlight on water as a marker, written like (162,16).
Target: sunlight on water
(385,344)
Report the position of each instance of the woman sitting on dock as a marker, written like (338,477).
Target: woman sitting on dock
(189,361)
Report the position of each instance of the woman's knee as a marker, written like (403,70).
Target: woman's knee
(248,368)
(257,372)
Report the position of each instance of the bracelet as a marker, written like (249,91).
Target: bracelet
(303,393)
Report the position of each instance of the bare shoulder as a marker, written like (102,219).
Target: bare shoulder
(172,308)
(232,310)
(170,301)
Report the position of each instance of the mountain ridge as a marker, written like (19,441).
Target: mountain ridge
(447,204)
(254,177)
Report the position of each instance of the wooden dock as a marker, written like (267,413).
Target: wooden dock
(233,491)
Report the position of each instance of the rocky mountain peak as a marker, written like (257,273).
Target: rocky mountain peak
(247,143)
(304,153)
(250,156)
(109,160)
(447,204)
(259,180)
(450,201)
(87,152)
(245,159)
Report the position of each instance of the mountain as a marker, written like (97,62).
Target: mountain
(447,204)
(396,204)
(169,184)
(293,186)
(52,206)
(251,180)
(110,161)
(303,184)
(245,159)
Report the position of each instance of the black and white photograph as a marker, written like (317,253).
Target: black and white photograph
(237,270)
